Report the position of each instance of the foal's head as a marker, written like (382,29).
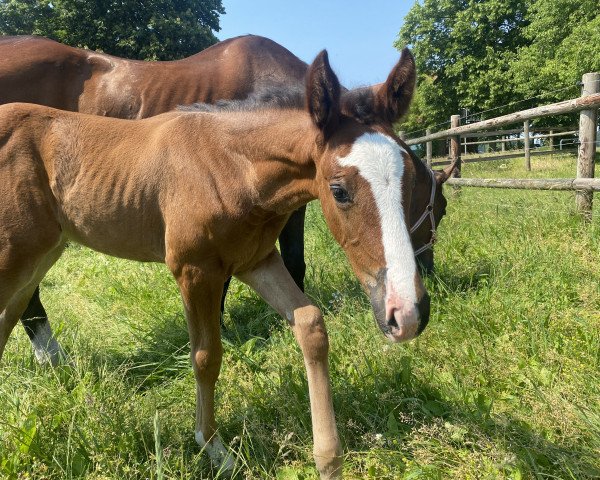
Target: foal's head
(365,178)
(381,106)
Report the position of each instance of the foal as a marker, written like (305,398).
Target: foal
(38,70)
(208,194)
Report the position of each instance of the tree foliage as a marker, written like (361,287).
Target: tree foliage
(150,30)
(462,49)
(487,54)
(563,39)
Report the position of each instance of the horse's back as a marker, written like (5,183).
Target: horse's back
(42,71)
(39,70)
(229,70)
(251,63)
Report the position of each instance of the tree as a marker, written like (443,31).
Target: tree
(562,45)
(463,51)
(495,56)
(150,30)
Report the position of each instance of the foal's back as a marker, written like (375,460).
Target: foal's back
(79,173)
(82,171)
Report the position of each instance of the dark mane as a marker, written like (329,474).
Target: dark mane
(288,97)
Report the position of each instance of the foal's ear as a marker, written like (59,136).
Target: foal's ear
(393,97)
(323,95)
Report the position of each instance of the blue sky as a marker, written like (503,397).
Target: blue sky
(357,34)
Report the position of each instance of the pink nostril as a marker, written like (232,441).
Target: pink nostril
(403,321)
(398,313)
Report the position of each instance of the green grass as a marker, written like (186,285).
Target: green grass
(504,382)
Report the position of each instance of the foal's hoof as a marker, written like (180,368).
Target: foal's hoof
(220,456)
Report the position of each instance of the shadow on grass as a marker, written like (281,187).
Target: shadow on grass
(390,402)
(164,349)
(363,413)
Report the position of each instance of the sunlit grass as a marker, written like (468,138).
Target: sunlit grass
(502,384)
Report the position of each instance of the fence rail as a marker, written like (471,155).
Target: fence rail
(568,106)
(501,156)
(578,184)
(585,184)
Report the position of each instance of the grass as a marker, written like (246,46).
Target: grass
(504,383)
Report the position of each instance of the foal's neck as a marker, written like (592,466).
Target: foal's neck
(281,146)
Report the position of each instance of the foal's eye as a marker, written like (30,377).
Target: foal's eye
(340,194)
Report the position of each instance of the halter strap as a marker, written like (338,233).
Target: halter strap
(427,213)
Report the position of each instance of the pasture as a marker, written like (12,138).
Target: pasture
(503,383)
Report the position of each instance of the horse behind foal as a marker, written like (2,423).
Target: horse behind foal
(166,190)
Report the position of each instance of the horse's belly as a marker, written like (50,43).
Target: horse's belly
(120,234)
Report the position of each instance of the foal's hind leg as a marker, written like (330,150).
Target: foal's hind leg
(39,331)
(10,315)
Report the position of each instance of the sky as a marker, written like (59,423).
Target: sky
(358,35)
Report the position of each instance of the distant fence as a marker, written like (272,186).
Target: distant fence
(584,183)
(504,138)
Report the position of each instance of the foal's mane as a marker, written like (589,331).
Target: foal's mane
(286,97)
(357,103)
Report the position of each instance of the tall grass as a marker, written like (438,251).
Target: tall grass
(504,383)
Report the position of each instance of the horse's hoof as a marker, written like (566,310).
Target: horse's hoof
(50,353)
(221,457)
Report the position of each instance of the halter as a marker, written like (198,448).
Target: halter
(427,213)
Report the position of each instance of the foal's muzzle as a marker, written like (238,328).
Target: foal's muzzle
(398,318)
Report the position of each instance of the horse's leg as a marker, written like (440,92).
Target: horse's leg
(291,244)
(223,295)
(21,294)
(37,327)
(273,282)
(12,312)
(201,294)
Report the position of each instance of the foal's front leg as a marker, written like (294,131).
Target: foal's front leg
(274,283)
(201,294)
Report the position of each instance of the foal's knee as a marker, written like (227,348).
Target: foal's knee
(207,362)
(310,331)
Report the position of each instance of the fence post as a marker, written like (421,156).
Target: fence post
(551,141)
(455,146)
(503,143)
(588,120)
(429,148)
(526,145)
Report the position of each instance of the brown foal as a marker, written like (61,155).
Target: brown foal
(38,70)
(208,193)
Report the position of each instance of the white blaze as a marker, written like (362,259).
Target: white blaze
(379,160)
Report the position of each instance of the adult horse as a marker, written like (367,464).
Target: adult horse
(208,193)
(38,70)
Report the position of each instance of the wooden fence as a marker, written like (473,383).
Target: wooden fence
(584,184)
